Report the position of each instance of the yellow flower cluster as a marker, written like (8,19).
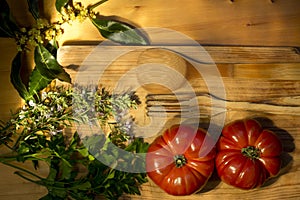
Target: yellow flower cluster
(43,30)
(75,12)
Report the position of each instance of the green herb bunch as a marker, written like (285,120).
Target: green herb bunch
(41,131)
(82,164)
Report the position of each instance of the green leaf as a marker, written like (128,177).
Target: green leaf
(142,147)
(82,186)
(33,6)
(7,25)
(138,146)
(48,66)
(111,175)
(52,47)
(23,148)
(57,194)
(15,77)
(94,143)
(60,3)
(37,82)
(66,169)
(52,174)
(44,154)
(119,32)
(83,151)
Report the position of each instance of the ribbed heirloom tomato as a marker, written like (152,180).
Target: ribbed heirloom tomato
(181,160)
(247,154)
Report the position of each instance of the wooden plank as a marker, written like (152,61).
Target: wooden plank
(283,191)
(225,22)
(6,109)
(205,106)
(10,99)
(219,54)
(275,71)
(252,90)
(236,89)
(286,71)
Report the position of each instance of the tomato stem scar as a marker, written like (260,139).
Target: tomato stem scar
(180,161)
(251,152)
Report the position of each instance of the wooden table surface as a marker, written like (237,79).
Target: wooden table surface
(260,82)
(260,72)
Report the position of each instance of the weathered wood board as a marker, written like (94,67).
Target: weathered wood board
(270,80)
(260,82)
(226,22)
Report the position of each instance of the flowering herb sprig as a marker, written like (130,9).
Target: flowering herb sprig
(39,132)
(42,38)
(45,31)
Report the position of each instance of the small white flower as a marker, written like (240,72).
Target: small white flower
(55,132)
(24,107)
(31,103)
(17,126)
(44,95)
(21,116)
(59,107)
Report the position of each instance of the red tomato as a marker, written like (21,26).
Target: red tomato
(247,155)
(181,160)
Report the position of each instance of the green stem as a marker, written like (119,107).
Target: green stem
(23,170)
(28,179)
(42,182)
(21,136)
(91,7)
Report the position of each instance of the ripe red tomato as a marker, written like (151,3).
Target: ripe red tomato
(181,160)
(247,155)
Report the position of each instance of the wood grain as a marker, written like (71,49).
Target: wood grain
(219,54)
(262,87)
(250,75)
(10,99)
(257,84)
(15,187)
(224,22)
(157,106)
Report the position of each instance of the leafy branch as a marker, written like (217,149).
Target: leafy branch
(43,37)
